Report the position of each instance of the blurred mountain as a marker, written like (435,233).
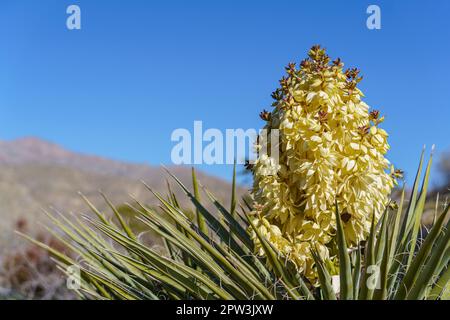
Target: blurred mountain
(36,174)
(444,168)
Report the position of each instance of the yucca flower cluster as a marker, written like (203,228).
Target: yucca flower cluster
(331,150)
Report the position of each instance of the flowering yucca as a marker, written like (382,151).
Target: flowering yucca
(331,149)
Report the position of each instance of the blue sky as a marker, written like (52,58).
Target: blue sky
(137,70)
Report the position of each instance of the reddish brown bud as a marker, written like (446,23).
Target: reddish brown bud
(363,130)
(265,115)
(374,114)
(345,217)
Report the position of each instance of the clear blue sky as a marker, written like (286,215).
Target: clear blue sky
(139,69)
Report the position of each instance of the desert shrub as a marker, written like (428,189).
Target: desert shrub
(28,272)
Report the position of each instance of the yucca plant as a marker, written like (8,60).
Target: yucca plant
(321,224)
(213,257)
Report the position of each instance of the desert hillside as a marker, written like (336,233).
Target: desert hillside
(36,174)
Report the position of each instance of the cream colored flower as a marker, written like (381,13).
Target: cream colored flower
(331,149)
